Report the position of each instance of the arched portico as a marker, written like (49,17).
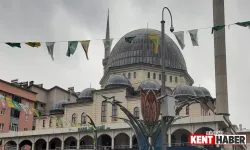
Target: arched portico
(121,141)
(134,142)
(105,141)
(40,144)
(55,143)
(70,143)
(25,144)
(10,145)
(87,142)
(180,137)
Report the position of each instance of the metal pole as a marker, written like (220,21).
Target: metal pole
(163,65)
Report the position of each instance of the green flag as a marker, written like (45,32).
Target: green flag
(244,24)
(107,43)
(72,45)
(14,44)
(217,28)
(17,106)
(129,39)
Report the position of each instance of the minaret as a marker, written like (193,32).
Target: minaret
(220,58)
(107,50)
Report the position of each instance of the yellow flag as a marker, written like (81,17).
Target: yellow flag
(85,46)
(155,39)
(34,44)
(10,103)
(35,111)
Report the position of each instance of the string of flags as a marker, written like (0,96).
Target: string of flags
(72,45)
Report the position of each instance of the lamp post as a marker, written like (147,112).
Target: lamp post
(163,65)
(95,132)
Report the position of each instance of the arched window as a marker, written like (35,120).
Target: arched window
(129,75)
(187,110)
(114,112)
(57,122)
(104,112)
(159,76)
(154,76)
(134,75)
(148,74)
(83,119)
(176,79)
(74,118)
(136,113)
(50,122)
(43,123)
(170,78)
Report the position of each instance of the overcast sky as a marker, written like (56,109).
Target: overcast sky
(62,20)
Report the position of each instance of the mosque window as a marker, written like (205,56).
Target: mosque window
(134,75)
(57,122)
(176,79)
(136,112)
(83,119)
(129,75)
(170,78)
(104,112)
(114,112)
(50,122)
(154,76)
(73,120)
(187,110)
(43,123)
(26,117)
(159,76)
(148,74)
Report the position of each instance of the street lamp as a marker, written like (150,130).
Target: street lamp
(95,132)
(163,65)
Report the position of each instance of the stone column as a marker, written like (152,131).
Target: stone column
(169,140)
(33,146)
(17,146)
(78,144)
(113,143)
(130,141)
(62,147)
(47,145)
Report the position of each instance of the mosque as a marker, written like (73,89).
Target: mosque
(128,69)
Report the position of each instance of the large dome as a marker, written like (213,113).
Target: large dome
(140,50)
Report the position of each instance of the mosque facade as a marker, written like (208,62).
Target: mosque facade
(128,69)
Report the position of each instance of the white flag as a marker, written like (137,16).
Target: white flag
(50,46)
(194,36)
(180,38)
(2,99)
(24,107)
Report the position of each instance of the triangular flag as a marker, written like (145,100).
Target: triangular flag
(155,39)
(36,112)
(244,24)
(17,106)
(24,107)
(217,28)
(34,44)
(107,43)
(180,38)
(72,45)
(85,46)
(9,102)
(50,46)
(2,99)
(14,44)
(194,37)
(129,39)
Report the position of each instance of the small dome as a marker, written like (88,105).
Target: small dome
(86,94)
(150,85)
(205,91)
(198,91)
(116,81)
(58,107)
(183,92)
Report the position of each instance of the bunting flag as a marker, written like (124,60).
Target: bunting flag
(85,46)
(194,37)
(9,102)
(155,39)
(34,44)
(244,24)
(24,107)
(17,106)
(129,39)
(180,38)
(79,124)
(72,124)
(50,47)
(14,45)
(72,45)
(217,28)
(107,43)
(38,114)
(2,99)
